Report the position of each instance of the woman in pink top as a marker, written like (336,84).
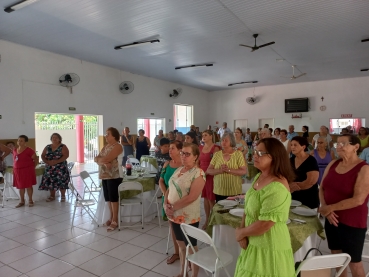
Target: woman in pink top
(343,196)
(206,154)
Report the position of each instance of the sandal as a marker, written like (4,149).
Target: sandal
(31,204)
(173,258)
(107,224)
(62,199)
(20,205)
(49,199)
(112,226)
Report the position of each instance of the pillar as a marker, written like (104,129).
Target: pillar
(80,139)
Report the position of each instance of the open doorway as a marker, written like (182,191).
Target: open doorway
(151,126)
(242,124)
(183,117)
(80,133)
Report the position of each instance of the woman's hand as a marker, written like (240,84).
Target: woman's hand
(333,219)
(239,234)
(225,168)
(294,187)
(325,210)
(244,243)
(169,210)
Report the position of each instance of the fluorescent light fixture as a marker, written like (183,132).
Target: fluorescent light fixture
(365,69)
(19,5)
(136,43)
(365,40)
(241,83)
(195,65)
(280,60)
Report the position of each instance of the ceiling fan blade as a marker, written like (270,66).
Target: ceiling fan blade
(246,46)
(300,75)
(267,44)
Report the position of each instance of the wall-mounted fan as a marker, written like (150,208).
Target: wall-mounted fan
(176,92)
(252,100)
(69,80)
(126,87)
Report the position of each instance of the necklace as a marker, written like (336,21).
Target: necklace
(257,184)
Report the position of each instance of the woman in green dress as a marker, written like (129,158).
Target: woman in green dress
(263,235)
(169,167)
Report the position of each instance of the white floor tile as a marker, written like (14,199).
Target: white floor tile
(101,264)
(61,249)
(126,269)
(167,269)
(125,251)
(145,240)
(31,236)
(80,256)
(147,259)
(11,211)
(6,271)
(102,230)
(89,226)
(8,245)
(159,232)
(105,245)
(17,231)
(29,219)
(52,269)
(70,233)
(87,238)
(8,226)
(148,227)
(3,220)
(42,223)
(77,272)
(45,242)
(17,216)
(125,235)
(31,262)
(55,228)
(161,246)
(16,254)
(3,238)
(152,274)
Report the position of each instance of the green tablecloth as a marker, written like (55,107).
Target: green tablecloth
(147,183)
(150,160)
(39,170)
(298,232)
(251,171)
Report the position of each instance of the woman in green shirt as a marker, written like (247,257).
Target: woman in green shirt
(228,166)
(169,167)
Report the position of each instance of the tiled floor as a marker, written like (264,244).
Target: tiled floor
(40,241)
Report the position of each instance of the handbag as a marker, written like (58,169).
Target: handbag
(297,264)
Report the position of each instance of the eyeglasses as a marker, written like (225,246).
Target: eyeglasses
(186,154)
(259,153)
(340,144)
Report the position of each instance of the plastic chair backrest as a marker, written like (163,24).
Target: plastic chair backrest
(70,166)
(133,161)
(325,261)
(84,174)
(130,186)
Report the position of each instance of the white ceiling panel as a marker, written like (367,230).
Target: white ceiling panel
(321,37)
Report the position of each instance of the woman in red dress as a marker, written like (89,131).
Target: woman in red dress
(206,154)
(24,173)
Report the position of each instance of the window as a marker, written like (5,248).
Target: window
(183,117)
(151,127)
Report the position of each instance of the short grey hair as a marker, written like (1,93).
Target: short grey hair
(224,123)
(231,137)
(266,130)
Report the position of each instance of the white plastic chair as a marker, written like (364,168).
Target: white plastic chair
(133,161)
(137,200)
(3,186)
(210,258)
(169,233)
(322,265)
(84,204)
(93,187)
(157,199)
(70,167)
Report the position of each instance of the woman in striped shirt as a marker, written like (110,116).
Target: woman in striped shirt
(227,166)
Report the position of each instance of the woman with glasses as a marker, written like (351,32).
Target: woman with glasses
(322,156)
(323,133)
(24,173)
(263,234)
(364,139)
(227,166)
(344,196)
(182,199)
(109,173)
(305,186)
(169,167)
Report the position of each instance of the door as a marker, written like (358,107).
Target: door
(241,123)
(263,121)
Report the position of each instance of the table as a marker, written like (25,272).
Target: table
(134,212)
(37,194)
(149,159)
(222,228)
(252,171)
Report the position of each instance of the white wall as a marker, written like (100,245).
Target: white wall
(343,96)
(29,83)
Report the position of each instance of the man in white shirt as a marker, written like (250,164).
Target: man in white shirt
(223,130)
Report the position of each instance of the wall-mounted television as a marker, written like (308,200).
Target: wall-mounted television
(296,105)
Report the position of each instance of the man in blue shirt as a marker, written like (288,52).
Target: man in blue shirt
(291,132)
(365,155)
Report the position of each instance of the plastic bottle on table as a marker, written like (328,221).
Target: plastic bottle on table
(128,168)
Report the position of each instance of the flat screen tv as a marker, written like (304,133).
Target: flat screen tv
(296,105)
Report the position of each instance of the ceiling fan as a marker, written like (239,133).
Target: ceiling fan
(255,47)
(293,74)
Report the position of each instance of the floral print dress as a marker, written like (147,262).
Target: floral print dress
(57,176)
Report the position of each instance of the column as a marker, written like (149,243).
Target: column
(80,139)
